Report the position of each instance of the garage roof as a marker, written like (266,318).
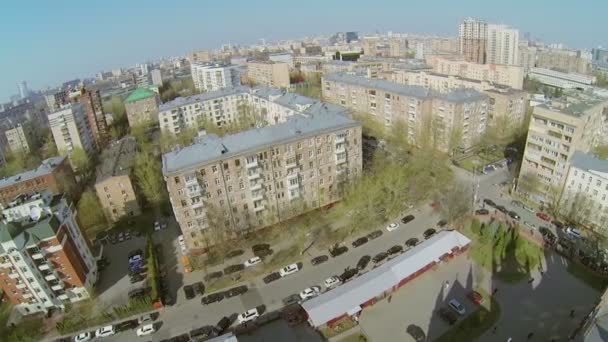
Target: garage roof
(345,297)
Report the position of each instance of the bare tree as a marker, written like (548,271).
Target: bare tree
(528,183)
(455,202)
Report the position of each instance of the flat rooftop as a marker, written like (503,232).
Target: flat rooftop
(589,162)
(576,102)
(117,159)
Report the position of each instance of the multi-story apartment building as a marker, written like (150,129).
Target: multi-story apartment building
(454,119)
(157,78)
(558,128)
(272,74)
(503,45)
(562,80)
(507,75)
(199,56)
(473,37)
(527,56)
(93,108)
(53,174)
(45,260)
(19,138)
(508,103)
(114,187)
(567,61)
(214,76)
(261,176)
(71,130)
(141,107)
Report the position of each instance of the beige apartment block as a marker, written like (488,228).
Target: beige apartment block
(506,75)
(19,138)
(114,187)
(568,61)
(228,186)
(455,119)
(272,74)
(507,107)
(141,106)
(575,122)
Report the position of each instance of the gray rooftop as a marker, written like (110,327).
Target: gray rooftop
(117,159)
(210,95)
(318,119)
(46,167)
(589,162)
(576,102)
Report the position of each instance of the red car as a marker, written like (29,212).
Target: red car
(475,297)
(543,217)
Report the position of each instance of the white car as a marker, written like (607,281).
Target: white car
(105,331)
(248,315)
(253,261)
(289,269)
(573,232)
(457,306)
(392,226)
(84,337)
(145,330)
(135,258)
(310,292)
(332,281)
(156,226)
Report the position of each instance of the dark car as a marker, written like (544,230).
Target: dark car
(223,324)
(338,250)
(558,224)
(234,268)
(203,332)
(374,235)
(428,233)
(482,211)
(259,247)
(263,253)
(136,278)
(379,257)
(212,298)
(199,287)
(502,209)
(411,242)
(138,293)
(360,241)
(213,275)
(319,260)
(167,299)
(126,325)
(235,291)
(189,292)
(408,218)
(416,332)
(235,253)
(179,338)
(272,277)
(348,274)
(395,249)
(292,299)
(442,223)
(363,262)
(489,202)
(448,316)
(514,215)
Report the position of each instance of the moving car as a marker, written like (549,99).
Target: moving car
(573,232)
(379,257)
(331,282)
(392,226)
(408,218)
(428,233)
(447,316)
(289,269)
(543,217)
(514,215)
(482,212)
(411,242)
(338,250)
(212,298)
(84,337)
(395,249)
(234,268)
(145,330)
(248,316)
(105,331)
(291,299)
(319,260)
(310,292)
(360,241)
(362,263)
(375,234)
(457,306)
(271,277)
(253,261)
(189,292)
(416,332)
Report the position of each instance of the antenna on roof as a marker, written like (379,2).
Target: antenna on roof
(224,149)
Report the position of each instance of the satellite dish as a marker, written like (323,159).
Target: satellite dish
(35,213)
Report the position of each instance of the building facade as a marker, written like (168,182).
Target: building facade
(210,77)
(141,107)
(503,45)
(157,78)
(454,119)
(259,177)
(114,187)
(506,75)
(473,38)
(19,139)
(45,260)
(71,130)
(93,108)
(566,61)
(562,80)
(272,74)
(507,107)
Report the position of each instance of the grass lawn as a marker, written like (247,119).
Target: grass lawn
(344,325)
(473,326)
(355,338)
(503,252)
(595,281)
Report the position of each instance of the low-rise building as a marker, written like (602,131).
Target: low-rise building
(141,107)
(45,260)
(562,80)
(114,187)
(272,74)
(19,138)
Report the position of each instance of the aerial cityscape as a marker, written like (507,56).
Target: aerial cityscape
(445,179)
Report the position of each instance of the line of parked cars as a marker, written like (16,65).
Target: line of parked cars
(144,326)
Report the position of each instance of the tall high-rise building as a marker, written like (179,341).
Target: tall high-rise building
(23,91)
(71,130)
(503,45)
(473,36)
(91,101)
(157,78)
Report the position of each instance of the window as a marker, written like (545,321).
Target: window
(237,162)
(214,169)
(176,180)
(203,172)
(219,192)
(225,166)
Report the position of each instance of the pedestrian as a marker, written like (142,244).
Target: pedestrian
(494,331)
(495,290)
(572,313)
(530,335)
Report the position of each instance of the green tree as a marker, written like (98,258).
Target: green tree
(601,151)
(528,183)
(149,178)
(91,217)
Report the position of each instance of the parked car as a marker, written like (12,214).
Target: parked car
(362,264)
(189,292)
(236,291)
(575,233)
(447,316)
(310,292)
(489,202)
(319,260)
(248,316)
(223,324)
(411,242)
(213,275)
(204,332)
(392,226)
(348,274)
(338,250)
(148,318)
(199,287)
(395,249)
(260,247)
(145,330)
(408,218)
(482,212)
(331,282)
(514,215)
(84,337)
(428,233)
(105,331)
(360,241)
(263,253)
(475,297)
(235,253)
(374,235)
(543,216)
(137,277)
(457,306)
(379,257)
(125,325)
(234,268)
(291,299)
(271,277)
(416,332)
(289,269)
(253,261)
(212,298)
(442,223)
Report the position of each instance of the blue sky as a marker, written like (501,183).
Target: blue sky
(46,42)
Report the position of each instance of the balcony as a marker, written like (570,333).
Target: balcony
(253,175)
(43,267)
(259,208)
(50,277)
(57,287)
(191,181)
(340,139)
(291,164)
(255,186)
(252,164)
(21,286)
(194,191)
(28,295)
(340,148)
(6,265)
(37,256)
(257,196)
(13,275)
(63,297)
(293,186)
